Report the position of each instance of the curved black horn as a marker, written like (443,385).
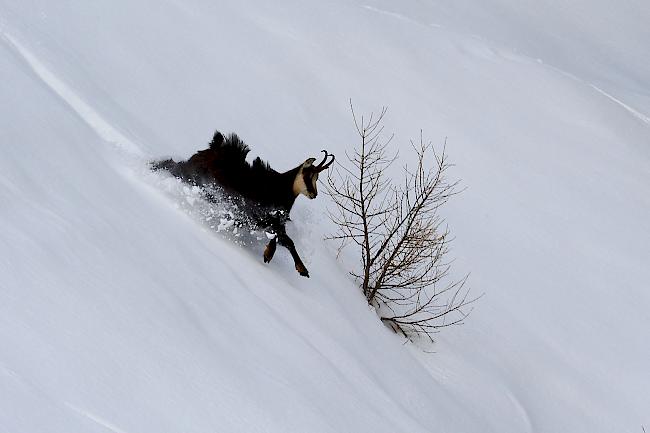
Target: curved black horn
(322,166)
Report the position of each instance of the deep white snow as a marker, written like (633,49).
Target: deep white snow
(122,310)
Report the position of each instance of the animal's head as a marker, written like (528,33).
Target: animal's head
(307,177)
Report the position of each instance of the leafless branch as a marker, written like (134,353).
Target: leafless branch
(401,238)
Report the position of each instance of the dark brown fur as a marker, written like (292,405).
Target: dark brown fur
(268,194)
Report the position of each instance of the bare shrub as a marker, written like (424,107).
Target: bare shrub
(397,230)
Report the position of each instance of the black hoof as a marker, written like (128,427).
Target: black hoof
(302,271)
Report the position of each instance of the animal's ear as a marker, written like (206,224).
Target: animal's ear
(308,162)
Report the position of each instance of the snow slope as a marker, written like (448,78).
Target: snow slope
(121,312)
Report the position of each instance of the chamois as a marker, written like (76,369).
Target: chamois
(267,194)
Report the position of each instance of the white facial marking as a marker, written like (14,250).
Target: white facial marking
(299,186)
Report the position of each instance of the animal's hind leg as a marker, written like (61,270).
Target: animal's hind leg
(286,242)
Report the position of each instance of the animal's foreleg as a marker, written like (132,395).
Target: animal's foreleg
(286,242)
(269,251)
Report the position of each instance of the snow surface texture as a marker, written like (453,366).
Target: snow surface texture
(121,311)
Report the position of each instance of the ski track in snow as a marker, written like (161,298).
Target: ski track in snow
(89,115)
(8,372)
(634,112)
(521,409)
(644,118)
(391,14)
(94,418)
